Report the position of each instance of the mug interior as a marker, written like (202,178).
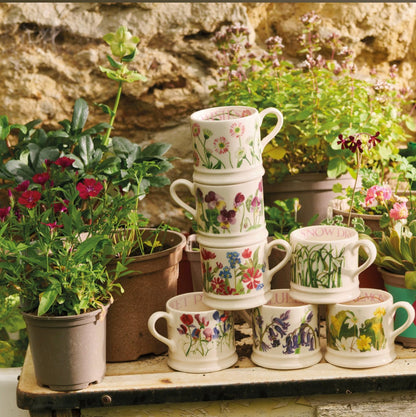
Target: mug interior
(369,296)
(189,303)
(321,233)
(223,113)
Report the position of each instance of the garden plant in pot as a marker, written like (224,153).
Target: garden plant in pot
(380,190)
(396,259)
(71,191)
(320,97)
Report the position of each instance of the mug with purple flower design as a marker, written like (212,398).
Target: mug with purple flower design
(285,333)
(235,271)
(230,210)
(229,138)
(200,339)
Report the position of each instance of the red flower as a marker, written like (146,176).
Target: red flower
(206,254)
(64,162)
(218,285)
(23,186)
(53,226)
(30,198)
(246,253)
(61,207)
(187,319)
(251,278)
(89,188)
(41,178)
(4,212)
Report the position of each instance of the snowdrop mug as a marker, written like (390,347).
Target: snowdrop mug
(360,333)
(228,210)
(285,333)
(235,272)
(325,264)
(200,339)
(228,138)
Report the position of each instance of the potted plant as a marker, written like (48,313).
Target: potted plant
(71,192)
(396,259)
(379,193)
(319,98)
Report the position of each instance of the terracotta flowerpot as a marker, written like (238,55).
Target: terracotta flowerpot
(146,290)
(394,284)
(68,352)
(371,220)
(194,258)
(314,191)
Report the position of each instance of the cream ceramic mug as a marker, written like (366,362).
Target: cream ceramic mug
(200,339)
(325,263)
(235,271)
(360,333)
(224,210)
(285,333)
(228,138)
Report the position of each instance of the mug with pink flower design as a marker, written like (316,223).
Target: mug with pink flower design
(235,271)
(228,138)
(200,339)
(224,210)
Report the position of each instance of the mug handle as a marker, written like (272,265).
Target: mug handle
(371,251)
(175,197)
(283,262)
(276,129)
(410,316)
(151,324)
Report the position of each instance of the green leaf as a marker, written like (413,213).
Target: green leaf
(47,298)
(80,115)
(410,280)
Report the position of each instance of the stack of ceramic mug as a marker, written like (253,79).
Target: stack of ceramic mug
(229,206)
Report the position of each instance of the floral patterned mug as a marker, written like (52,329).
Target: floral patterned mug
(360,333)
(228,138)
(230,210)
(285,333)
(235,272)
(325,263)
(200,339)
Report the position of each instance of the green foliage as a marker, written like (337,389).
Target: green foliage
(71,191)
(396,251)
(319,98)
(13,336)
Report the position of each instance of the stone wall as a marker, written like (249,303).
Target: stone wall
(50,53)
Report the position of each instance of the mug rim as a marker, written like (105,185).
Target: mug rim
(299,304)
(296,235)
(386,294)
(196,116)
(190,311)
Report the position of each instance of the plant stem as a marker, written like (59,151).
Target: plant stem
(355,187)
(113,116)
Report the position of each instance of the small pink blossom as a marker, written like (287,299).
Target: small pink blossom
(221,145)
(399,211)
(237,129)
(377,194)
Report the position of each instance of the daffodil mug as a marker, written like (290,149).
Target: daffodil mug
(360,333)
